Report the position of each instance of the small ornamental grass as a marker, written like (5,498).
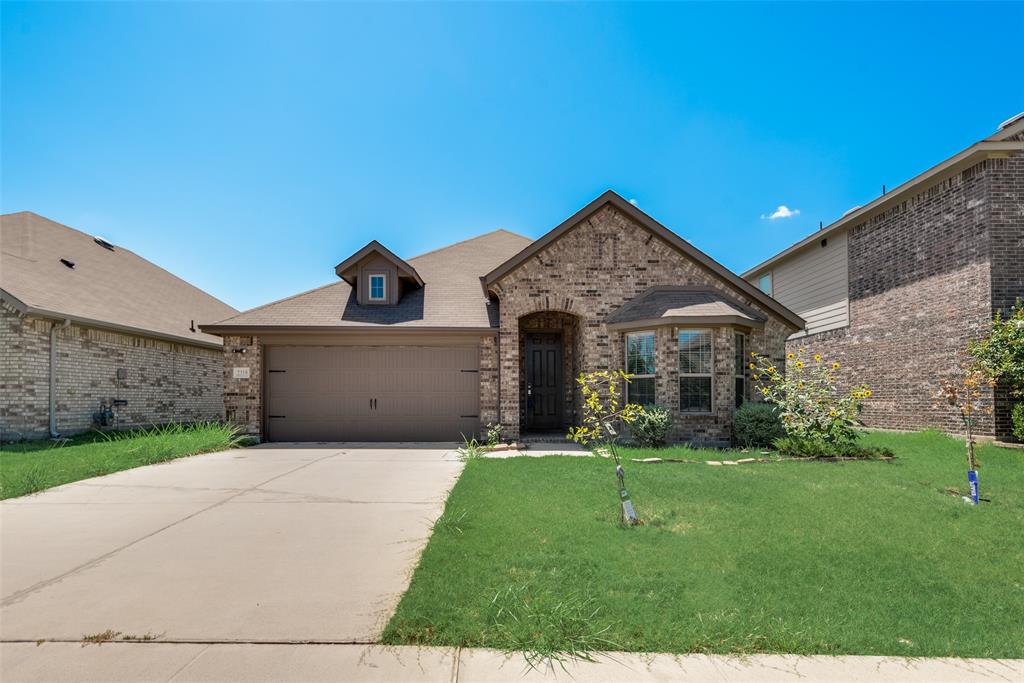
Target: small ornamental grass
(32,466)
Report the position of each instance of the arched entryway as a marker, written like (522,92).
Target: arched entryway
(550,355)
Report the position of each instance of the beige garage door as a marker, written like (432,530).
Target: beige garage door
(372,393)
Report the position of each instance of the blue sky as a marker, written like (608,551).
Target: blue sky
(250,148)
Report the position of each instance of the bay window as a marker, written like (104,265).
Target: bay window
(696,358)
(640,363)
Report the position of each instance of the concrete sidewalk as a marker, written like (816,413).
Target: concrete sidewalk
(118,661)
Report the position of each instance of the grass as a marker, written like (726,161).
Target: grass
(867,557)
(36,465)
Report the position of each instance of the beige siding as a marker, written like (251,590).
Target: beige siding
(815,285)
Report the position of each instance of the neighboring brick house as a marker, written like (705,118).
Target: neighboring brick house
(895,289)
(87,327)
(495,329)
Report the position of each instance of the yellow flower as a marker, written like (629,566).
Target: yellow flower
(802,349)
(752,366)
(753,354)
(764,390)
(771,369)
(835,366)
(832,413)
(799,364)
(867,393)
(817,357)
(790,356)
(755,376)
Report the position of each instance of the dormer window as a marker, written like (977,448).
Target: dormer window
(378,290)
(377,276)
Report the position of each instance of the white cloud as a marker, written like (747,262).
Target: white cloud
(633,202)
(782,212)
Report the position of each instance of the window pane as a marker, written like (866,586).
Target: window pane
(695,394)
(376,286)
(695,352)
(641,390)
(640,354)
(764,283)
(741,353)
(741,391)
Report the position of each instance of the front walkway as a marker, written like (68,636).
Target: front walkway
(183,663)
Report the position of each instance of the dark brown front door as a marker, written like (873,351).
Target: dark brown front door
(543,380)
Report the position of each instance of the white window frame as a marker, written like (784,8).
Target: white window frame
(625,353)
(383,287)
(710,375)
(771,283)
(741,369)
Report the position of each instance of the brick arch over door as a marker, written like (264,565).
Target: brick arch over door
(591,271)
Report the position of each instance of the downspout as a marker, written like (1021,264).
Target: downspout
(53,376)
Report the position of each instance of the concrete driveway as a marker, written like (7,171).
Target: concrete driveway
(269,544)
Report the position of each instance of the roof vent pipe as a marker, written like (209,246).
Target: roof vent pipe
(53,376)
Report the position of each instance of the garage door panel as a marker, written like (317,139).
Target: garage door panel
(372,393)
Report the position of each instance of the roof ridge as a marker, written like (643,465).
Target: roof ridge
(468,239)
(278,301)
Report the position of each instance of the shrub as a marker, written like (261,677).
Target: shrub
(810,404)
(1000,355)
(1017,415)
(757,424)
(651,427)
(799,447)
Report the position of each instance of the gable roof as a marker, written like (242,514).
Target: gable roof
(1007,139)
(375,247)
(683,305)
(674,240)
(108,286)
(450,298)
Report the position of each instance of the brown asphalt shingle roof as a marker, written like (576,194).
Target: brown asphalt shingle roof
(107,288)
(680,304)
(452,296)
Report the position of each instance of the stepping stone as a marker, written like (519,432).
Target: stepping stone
(649,460)
(713,462)
(730,462)
(747,460)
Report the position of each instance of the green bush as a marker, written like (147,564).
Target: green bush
(757,425)
(651,427)
(800,447)
(1017,416)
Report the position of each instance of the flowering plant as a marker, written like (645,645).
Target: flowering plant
(602,408)
(810,404)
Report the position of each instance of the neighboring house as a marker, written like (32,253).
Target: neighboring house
(896,288)
(87,328)
(495,329)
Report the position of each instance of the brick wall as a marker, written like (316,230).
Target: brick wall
(164,381)
(243,397)
(925,276)
(1006,235)
(590,272)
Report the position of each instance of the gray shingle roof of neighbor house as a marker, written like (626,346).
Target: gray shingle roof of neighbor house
(451,297)
(665,305)
(108,286)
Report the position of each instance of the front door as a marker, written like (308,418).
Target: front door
(544,380)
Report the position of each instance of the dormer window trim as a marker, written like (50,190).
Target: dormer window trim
(373,280)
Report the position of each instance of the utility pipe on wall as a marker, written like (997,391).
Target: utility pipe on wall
(53,376)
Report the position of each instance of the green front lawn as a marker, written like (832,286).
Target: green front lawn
(32,466)
(865,557)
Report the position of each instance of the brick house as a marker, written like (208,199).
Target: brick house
(495,329)
(896,288)
(87,327)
